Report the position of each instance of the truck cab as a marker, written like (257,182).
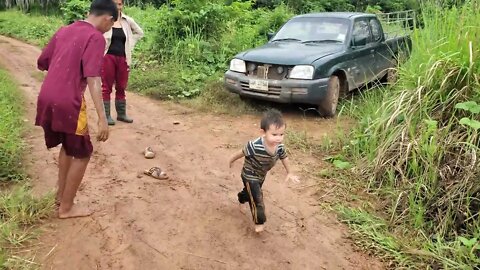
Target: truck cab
(315,59)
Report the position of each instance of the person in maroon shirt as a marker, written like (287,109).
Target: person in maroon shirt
(73,59)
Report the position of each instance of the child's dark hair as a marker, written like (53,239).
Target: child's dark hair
(104,7)
(271,117)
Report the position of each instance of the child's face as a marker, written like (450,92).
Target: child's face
(274,135)
(106,23)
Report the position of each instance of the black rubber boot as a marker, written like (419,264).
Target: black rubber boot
(110,121)
(121,107)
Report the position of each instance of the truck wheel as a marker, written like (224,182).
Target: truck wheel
(392,73)
(328,105)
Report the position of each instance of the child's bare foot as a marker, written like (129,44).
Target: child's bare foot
(74,212)
(259,228)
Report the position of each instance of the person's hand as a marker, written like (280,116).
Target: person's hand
(295,179)
(102,132)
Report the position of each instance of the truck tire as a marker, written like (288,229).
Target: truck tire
(328,105)
(392,73)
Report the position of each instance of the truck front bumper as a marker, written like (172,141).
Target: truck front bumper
(281,91)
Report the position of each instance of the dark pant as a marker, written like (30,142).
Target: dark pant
(115,71)
(77,146)
(252,193)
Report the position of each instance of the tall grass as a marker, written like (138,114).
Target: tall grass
(19,210)
(11,124)
(417,144)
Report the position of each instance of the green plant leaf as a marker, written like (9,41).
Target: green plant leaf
(470,122)
(470,106)
(468,242)
(340,164)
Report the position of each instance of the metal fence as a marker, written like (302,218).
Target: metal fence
(398,23)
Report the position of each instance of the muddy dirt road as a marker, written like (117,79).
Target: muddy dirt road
(191,221)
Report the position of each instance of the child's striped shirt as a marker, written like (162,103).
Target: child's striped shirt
(258,161)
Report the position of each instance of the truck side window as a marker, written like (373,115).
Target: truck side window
(361,33)
(376,30)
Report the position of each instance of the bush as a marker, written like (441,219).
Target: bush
(199,38)
(74,10)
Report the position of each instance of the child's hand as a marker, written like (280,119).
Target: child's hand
(102,132)
(295,179)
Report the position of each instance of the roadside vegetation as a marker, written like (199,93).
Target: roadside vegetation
(415,149)
(408,169)
(20,212)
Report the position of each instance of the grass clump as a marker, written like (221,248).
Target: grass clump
(416,144)
(11,127)
(20,211)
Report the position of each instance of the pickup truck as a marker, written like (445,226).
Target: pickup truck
(316,59)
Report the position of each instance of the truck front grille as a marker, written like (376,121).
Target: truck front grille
(267,71)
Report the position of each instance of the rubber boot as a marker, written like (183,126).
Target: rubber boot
(121,107)
(110,121)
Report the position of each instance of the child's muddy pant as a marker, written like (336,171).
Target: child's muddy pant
(252,193)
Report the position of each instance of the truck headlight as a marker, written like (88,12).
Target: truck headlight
(238,65)
(302,72)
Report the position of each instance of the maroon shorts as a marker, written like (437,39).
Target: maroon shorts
(75,145)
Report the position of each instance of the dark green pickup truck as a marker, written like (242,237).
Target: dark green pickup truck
(317,58)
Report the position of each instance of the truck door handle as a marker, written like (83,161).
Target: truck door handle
(372,51)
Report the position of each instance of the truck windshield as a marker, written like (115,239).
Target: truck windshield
(310,29)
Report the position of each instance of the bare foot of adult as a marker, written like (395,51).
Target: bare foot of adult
(75,211)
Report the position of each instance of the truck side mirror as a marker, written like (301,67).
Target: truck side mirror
(359,41)
(270,35)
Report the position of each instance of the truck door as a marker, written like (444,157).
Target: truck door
(382,56)
(362,61)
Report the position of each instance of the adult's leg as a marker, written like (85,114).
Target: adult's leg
(74,178)
(121,81)
(80,148)
(64,162)
(108,79)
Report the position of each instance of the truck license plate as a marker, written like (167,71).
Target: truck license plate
(261,85)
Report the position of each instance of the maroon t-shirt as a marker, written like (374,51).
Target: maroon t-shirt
(74,53)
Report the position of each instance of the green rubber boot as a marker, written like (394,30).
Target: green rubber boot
(121,107)
(110,121)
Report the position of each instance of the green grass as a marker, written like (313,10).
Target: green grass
(215,98)
(34,29)
(11,128)
(19,210)
(416,149)
(405,249)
